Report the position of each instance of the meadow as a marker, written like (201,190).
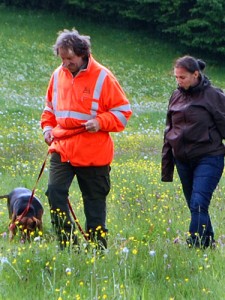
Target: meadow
(147,257)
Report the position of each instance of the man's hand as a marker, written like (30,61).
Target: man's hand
(48,137)
(92,125)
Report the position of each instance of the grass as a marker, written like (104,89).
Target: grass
(148,220)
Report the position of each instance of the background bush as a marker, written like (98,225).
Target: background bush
(195,24)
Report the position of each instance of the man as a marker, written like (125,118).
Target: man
(84,102)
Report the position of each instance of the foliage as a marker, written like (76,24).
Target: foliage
(147,257)
(197,24)
(33,4)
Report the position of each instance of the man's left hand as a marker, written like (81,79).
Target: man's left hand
(92,125)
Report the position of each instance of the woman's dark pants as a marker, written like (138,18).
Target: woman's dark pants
(199,179)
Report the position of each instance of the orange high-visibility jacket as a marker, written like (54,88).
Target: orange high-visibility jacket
(71,101)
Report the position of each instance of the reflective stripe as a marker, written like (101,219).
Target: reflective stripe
(55,88)
(125,107)
(99,84)
(117,112)
(49,104)
(94,108)
(47,128)
(120,116)
(48,109)
(72,114)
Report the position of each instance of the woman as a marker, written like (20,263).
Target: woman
(195,128)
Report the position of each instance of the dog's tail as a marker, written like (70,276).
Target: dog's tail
(4,197)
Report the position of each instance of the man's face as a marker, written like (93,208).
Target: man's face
(70,60)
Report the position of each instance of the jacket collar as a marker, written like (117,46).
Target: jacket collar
(204,82)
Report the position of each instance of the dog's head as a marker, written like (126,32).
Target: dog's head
(26,225)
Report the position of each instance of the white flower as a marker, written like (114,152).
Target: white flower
(37,239)
(68,270)
(4,234)
(165,256)
(125,250)
(152,253)
(4,260)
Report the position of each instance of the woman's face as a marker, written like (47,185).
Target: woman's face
(186,79)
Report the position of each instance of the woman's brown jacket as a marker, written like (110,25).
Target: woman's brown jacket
(195,125)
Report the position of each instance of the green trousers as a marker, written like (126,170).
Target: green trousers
(94,184)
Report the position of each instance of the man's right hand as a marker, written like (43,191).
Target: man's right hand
(48,137)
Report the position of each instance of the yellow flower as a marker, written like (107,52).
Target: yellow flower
(92,260)
(134,251)
(67,283)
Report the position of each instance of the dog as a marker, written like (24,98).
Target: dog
(17,203)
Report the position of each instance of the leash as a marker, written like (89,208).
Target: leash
(77,222)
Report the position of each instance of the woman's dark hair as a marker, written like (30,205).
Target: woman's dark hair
(190,64)
(72,40)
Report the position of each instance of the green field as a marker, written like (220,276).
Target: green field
(148,220)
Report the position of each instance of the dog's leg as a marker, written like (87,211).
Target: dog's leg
(12,226)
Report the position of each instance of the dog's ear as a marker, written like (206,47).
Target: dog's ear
(40,214)
(39,225)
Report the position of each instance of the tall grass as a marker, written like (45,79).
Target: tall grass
(147,220)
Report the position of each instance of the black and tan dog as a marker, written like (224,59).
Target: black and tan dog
(17,202)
